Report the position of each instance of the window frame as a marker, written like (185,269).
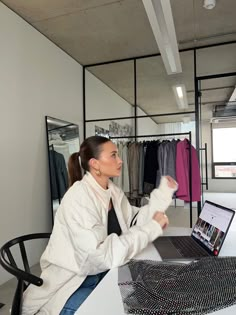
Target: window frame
(213,164)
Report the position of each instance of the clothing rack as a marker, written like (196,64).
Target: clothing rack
(205,150)
(155,135)
(189,134)
(199,208)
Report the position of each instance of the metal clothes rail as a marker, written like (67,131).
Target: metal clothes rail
(189,134)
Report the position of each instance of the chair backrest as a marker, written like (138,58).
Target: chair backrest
(24,277)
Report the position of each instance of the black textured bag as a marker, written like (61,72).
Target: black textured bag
(160,288)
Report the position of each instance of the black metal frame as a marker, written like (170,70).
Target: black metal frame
(141,116)
(49,167)
(134,59)
(158,54)
(206,170)
(135,117)
(51,148)
(197,81)
(153,135)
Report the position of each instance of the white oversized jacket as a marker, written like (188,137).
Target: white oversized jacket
(79,245)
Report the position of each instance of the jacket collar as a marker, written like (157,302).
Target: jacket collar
(103,194)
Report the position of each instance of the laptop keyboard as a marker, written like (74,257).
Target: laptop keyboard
(187,247)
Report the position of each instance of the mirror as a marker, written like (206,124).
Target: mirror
(63,140)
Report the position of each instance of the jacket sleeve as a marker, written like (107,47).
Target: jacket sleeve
(96,252)
(160,200)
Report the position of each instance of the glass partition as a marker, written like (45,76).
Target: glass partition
(111,128)
(155,89)
(110,90)
(216,60)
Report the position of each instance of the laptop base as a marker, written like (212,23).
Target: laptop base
(179,247)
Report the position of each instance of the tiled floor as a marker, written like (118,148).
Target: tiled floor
(178,217)
(7,291)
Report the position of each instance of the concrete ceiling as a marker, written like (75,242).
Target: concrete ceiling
(94,31)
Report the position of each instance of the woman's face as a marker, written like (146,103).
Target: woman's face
(109,162)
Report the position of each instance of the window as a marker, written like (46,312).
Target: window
(224,152)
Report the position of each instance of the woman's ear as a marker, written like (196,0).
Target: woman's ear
(94,164)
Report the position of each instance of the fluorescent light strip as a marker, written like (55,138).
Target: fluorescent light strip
(180,96)
(179,91)
(161,20)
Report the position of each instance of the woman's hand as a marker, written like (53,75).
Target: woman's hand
(161,218)
(171,182)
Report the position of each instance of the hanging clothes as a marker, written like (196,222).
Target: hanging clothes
(166,159)
(118,180)
(151,166)
(133,166)
(123,180)
(125,170)
(59,175)
(169,165)
(145,162)
(61,146)
(141,168)
(182,172)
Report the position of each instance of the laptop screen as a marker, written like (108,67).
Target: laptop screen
(212,226)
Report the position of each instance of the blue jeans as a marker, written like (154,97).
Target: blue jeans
(80,295)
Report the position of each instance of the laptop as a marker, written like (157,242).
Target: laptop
(206,239)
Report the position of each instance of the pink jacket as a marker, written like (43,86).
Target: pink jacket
(182,172)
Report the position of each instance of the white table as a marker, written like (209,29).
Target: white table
(106,298)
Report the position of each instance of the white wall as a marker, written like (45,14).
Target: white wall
(102,102)
(37,79)
(146,126)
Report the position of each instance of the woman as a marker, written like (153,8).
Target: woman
(95,229)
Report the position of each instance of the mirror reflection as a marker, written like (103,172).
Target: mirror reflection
(63,140)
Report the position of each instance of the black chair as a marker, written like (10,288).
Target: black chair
(24,277)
